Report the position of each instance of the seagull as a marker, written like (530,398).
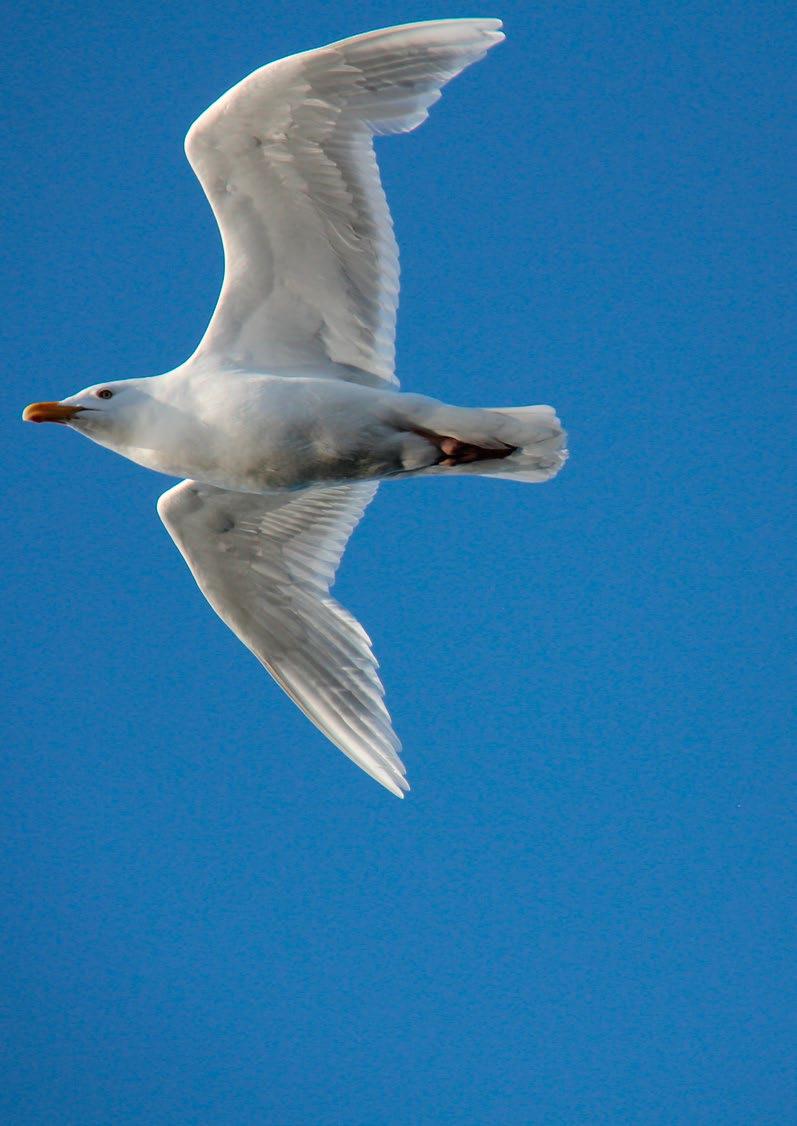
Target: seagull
(287,416)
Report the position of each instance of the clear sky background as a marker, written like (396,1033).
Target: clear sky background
(583,913)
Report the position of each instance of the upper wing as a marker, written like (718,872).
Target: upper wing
(286,160)
(265,564)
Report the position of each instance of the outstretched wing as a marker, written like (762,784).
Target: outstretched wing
(286,160)
(265,564)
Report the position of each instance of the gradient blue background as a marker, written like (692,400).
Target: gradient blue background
(584,910)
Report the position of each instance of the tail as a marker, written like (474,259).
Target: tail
(541,442)
(518,443)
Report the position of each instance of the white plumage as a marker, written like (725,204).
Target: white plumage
(265,564)
(287,416)
(286,159)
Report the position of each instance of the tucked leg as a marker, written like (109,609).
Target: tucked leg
(455,452)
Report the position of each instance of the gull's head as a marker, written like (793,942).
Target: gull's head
(110,413)
(103,405)
(144,420)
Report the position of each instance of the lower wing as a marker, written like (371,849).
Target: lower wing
(265,564)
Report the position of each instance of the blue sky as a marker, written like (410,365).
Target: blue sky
(584,910)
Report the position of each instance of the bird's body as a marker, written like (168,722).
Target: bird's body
(266,432)
(256,432)
(288,414)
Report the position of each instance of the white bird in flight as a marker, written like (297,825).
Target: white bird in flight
(288,415)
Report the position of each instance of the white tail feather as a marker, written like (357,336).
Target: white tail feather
(542,445)
(535,431)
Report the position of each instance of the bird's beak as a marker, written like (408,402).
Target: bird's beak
(50,412)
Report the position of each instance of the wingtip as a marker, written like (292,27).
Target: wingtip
(492,28)
(397,786)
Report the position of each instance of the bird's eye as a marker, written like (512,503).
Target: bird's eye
(105,394)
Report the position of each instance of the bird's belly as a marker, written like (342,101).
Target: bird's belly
(300,456)
(298,453)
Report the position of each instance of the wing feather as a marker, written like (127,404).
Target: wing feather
(286,160)
(265,564)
